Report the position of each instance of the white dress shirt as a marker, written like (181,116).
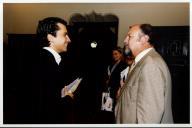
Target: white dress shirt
(124,73)
(54,53)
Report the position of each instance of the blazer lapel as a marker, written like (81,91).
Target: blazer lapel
(137,67)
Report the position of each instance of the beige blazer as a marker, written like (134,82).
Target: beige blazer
(146,95)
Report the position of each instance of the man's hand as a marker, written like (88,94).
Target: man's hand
(69,93)
(118,93)
(65,92)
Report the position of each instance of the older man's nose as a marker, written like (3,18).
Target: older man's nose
(126,41)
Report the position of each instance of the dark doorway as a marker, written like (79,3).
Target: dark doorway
(90,53)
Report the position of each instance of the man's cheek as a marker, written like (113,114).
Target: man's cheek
(61,41)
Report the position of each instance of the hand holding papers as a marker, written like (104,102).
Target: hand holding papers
(71,87)
(65,92)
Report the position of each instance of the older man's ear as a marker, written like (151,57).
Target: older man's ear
(144,39)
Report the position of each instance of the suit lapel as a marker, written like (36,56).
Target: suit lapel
(137,67)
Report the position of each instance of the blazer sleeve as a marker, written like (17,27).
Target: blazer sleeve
(150,97)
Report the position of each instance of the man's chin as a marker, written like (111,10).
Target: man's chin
(65,50)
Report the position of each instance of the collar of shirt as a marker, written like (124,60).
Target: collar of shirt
(124,73)
(141,55)
(55,54)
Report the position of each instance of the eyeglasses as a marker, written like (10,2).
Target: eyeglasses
(130,36)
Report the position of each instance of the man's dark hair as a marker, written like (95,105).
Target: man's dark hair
(147,29)
(48,26)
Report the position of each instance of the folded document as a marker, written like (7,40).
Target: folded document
(71,87)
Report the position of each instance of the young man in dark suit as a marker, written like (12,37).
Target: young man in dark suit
(54,39)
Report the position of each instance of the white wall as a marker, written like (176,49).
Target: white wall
(23,18)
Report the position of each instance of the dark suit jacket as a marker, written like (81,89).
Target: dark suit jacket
(114,81)
(52,108)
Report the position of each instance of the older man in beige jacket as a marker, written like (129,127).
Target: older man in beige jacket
(146,95)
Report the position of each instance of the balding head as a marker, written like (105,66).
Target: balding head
(138,38)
